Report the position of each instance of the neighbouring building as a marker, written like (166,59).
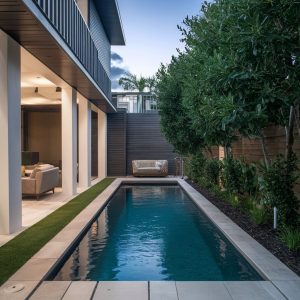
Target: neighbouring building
(55,92)
(135,102)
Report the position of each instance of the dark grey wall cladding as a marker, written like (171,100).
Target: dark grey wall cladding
(116,144)
(144,140)
(100,39)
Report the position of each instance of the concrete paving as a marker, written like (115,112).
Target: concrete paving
(34,210)
(161,290)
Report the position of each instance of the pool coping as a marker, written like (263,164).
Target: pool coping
(37,268)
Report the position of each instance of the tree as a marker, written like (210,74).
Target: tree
(239,73)
(131,82)
(246,50)
(176,123)
(151,83)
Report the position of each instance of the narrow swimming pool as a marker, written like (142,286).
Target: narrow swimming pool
(154,232)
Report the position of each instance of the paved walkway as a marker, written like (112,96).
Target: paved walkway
(167,290)
(35,210)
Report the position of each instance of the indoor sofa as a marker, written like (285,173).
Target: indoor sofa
(41,180)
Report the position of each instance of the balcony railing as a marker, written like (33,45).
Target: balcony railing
(66,18)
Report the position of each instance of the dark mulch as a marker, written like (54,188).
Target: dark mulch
(265,235)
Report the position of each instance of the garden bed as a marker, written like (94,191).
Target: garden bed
(264,234)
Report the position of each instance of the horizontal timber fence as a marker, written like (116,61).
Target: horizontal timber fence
(251,150)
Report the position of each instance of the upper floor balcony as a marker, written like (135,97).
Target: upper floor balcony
(55,32)
(67,20)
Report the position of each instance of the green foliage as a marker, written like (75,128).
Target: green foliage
(176,123)
(232,175)
(239,73)
(212,170)
(195,166)
(247,203)
(260,215)
(291,237)
(249,180)
(131,82)
(17,251)
(277,184)
(233,199)
(240,177)
(246,53)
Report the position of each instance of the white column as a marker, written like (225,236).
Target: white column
(102,144)
(84,145)
(69,140)
(10,136)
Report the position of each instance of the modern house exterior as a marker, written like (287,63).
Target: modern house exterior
(54,53)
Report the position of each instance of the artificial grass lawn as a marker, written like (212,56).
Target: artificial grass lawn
(16,252)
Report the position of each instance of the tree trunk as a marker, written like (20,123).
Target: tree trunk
(227,151)
(264,149)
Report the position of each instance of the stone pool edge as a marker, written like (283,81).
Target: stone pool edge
(36,269)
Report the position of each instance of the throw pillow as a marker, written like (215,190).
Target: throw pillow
(22,171)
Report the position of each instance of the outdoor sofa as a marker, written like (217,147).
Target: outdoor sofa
(151,168)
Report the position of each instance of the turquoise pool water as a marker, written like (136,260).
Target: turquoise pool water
(154,233)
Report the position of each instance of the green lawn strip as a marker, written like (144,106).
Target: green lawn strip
(16,252)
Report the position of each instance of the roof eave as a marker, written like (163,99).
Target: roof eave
(109,13)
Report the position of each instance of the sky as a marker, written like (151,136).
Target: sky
(151,33)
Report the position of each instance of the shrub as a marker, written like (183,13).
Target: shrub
(291,237)
(277,184)
(233,199)
(249,182)
(195,166)
(247,203)
(260,215)
(232,175)
(212,171)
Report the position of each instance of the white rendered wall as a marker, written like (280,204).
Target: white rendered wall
(102,144)
(69,140)
(10,136)
(84,145)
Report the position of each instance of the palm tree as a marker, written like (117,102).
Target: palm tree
(151,83)
(131,82)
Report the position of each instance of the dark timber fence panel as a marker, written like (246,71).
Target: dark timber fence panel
(116,144)
(135,136)
(145,140)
